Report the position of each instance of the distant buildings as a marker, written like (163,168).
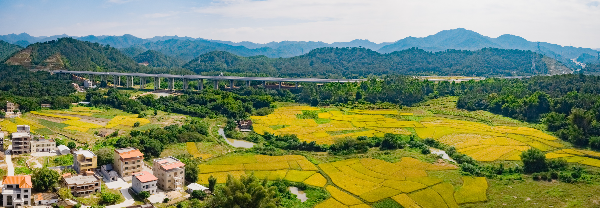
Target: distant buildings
(245,125)
(21,140)
(12,110)
(84,160)
(1,142)
(128,161)
(16,191)
(43,145)
(144,181)
(170,172)
(83,184)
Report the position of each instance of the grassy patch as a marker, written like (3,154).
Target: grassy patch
(334,133)
(20,161)
(44,131)
(52,161)
(147,127)
(275,127)
(52,124)
(23,171)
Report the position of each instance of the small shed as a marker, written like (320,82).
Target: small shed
(46,106)
(45,199)
(108,173)
(245,125)
(63,150)
(194,186)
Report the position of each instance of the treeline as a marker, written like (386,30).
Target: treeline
(208,103)
(568,104)
(362,62)
(7,49)
(31,89)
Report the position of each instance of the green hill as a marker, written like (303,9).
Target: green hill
(7,49)
(156,59)
(362,62)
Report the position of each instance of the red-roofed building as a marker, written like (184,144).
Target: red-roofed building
(170,172)
(16,191)
(128,161)
(144,181)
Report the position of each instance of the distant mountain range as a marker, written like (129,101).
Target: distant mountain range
(328,62)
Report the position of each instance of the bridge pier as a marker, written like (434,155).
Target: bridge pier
(129,81)
(185,84)
(156,83)
(296,85)
(115,81)
(231,86)
(142,83)
(264,84)
(171,83)
(279,85)
(216,83)
(200,84)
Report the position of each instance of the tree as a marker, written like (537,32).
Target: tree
(191,173)
(136,124)
(534,161)
(144,195)
(44,179)
(105,156)
(212,181)
(69,170)
(197,194)
(2,114)
(247,192)
(65,193)
(71,145)
(109,198)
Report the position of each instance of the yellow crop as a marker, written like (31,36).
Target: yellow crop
(77,128)
(428,198)
(126,121)
(404,186)
(192,149)
(446,191)
(405,201)
(473,190)
(316,180)
(55,116)
(379,194)
(8,126)
(331,203)
(297,175)
(343,197)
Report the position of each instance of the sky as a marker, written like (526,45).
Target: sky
(565,22)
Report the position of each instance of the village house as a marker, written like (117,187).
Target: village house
(128,161)
(144,181)
(1,142)
(84,160)
(108,172)
(43,145)
(21,140)
(40,199)
(16,191)
(83,184)
(63,150)
(170,172)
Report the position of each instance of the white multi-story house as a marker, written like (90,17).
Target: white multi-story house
(21,140)
(170,173)
(83,184)
(128,161)
(144,181)
(43,145)
(16,191)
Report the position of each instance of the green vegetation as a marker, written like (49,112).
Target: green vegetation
(7,49)
(44,179)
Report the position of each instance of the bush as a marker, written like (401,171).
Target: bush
(470,169)
(425,151)
(595,143)
(557,164)
(565,177)
(392,142)
(109,198)
(166,200)
(136,124)
(554,175)
(534,161)
(536,176)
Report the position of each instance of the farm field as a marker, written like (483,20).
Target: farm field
(481,141)
(356,182)
(81,123)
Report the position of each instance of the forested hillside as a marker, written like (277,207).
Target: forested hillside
(157,59)
(362,62)
(7,49)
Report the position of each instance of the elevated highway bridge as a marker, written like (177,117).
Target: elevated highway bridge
(116,77)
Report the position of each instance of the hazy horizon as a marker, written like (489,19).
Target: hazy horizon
(567,23)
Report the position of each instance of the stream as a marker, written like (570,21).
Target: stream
(299,194)
(441,152)
(235,142)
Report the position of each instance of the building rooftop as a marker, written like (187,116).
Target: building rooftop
(195,186)
(44,140)
(85,153)
(62,147)
(45,196)
(81,179)
(144,176)
(24,181)
(169,163)
(129,152)
(20,135)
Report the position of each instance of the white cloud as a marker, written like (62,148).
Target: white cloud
(161,14)
(120,1)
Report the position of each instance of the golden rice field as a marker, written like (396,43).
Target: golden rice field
(480,141)
(484,142)
(193,150)
(355,123)
(584,157)
(75,123)
(8,126)
(355,182)
(11,127)
(406,182)
(289,167)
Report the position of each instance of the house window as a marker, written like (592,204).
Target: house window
(9,186)
(126,163)
(26,196)
(26,191)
